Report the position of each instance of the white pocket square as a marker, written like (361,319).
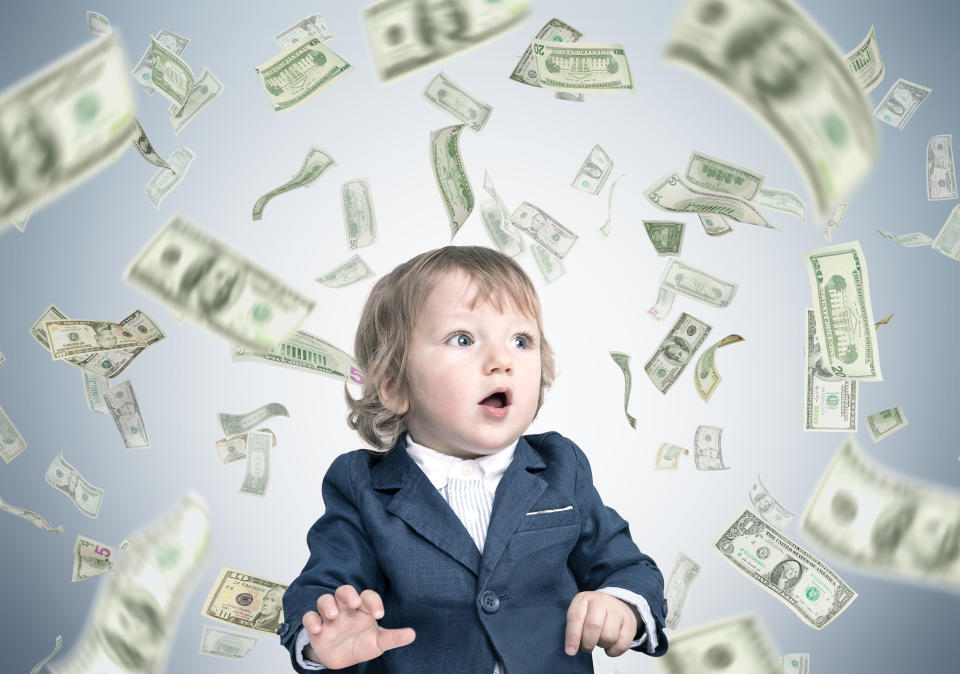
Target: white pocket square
(555,510)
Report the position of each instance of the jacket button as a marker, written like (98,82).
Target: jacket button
(489,601)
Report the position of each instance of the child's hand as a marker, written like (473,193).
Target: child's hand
(351,634)
(597,618)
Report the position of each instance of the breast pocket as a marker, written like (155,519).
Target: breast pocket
(549,518)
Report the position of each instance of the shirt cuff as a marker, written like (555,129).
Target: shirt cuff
(303,640)
(642,610)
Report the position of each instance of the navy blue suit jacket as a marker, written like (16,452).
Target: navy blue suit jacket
(387,528)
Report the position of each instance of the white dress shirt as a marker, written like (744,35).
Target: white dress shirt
(448,473)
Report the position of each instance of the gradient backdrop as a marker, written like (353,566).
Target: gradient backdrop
(74,252)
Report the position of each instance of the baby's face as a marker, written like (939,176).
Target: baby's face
(458,357)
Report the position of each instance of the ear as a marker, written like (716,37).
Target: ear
(391,399)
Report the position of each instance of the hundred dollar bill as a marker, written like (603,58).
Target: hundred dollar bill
(878,521)
(90,558)
(200,277)
(782,200)
(11,442)
(205,89)
(305,29)
(56,649)
(170,75)
(866,63)
(679,582)
(143,72)
(707,454)
(668,456)
(544,229)
(98,24)
(767,506)
(451,176)
(900,102)
(448,96)
(359,218)
(948,238)
(234,447)
(553,30)
(706,379)
(834,221)
(315,164)
(665,235)
(94,386)
(143,596)
(64,123)
(829,401)
(908,240)
(714,224)
(675,351)
(886,423)
(795,663)
(62,476)
(670,193)
(801,581)
(234,424)
(941,171)
(257,476)
(406,35)
(346,273)
(582,66)
(306,352)
(224,643)
(246,601)
(31,517)
(718,175)
(623,362)
(75,338)
(739,644)
(143,145)
(493,222)
(605,227)
(844,318)
(164,180)
(300,72)
(697,284)
(549,265)
(809,99)
(123,407)
(594,171)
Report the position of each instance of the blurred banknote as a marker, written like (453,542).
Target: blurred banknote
(31,517)
(707,452)
(11,442)
(911,240)
(164,180)
(306,352)
(948,238)
(668,456)
(123,407)
(675,351)
(246,601)
(65,478)
(782,200)
(941,171)
(185,268)
(300,72)
(56,649)
(681,578)
(98,24)
(795,663)
(767,506)
(91,558)
(232,424)
(359,219)
(829,401)
(224,643)
(866,63)
(739,644)
(451,176)
(315,164)
(461,104)
(901,101)
(549,264)
(305,29)
(543,228)
(582,66)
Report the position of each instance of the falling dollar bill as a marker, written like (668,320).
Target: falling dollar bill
(866,63)
(143,71)
(550,266)
(94,387)
(829,401)
(706,379)
(623,362)
(11,441)
(714,225)
(451,176)
(224,643)
(65,127)
(908,240)
(246,601)
(300,72)
(90,558)
(65,478)
(315,164)
(738,644)
(605,227)
(305,29)
(553,30)
(143,145)
(718,175)
(679,582)
(580,67)
(170,74)
(948,238)
(665,235)
(132,622)
(801,581)
(675,351)
(305,352)
(164,180)
(454,99)
(56,649)
(707,453)
(782,200)
(20,220)
(234,424)
(594,171)
(941,170)
(668,456)
(346,273)
(257,476)
(544,229)
(359,219)
(810,101)
(767,506)
(98,24)
(885,423)
(878,521)
(31,517)
(697,284)
(205,90)
(499,229)
(186,268)
(234,447)
(795,663)
(883,321)
(901,101)
(68,338)
(671,193)
(123,407)
(441,31)
(844,318)
(834,222)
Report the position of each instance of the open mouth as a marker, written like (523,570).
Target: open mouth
(499,398)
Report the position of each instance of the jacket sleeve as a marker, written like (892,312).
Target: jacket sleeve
(340,553)
(605,554)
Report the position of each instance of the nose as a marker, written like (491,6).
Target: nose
(498,358)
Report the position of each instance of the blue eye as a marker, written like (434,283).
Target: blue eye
(525,341)
(460,339)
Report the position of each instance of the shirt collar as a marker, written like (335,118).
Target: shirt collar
(437,465)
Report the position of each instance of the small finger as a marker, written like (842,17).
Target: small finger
(373,603)
(347,596)
(312,622)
